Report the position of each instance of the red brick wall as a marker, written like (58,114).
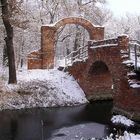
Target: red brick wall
(97,86)
(48,39)
(34,60)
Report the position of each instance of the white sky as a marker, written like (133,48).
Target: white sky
(120,7)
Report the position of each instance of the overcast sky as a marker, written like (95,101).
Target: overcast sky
(120,7)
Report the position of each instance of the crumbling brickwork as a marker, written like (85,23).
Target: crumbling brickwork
(110,80)
(48,40)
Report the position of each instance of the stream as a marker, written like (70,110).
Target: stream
(60,123)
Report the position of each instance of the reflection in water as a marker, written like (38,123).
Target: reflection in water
(14,128)
(42,123)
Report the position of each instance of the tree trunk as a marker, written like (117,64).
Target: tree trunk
(9,42)
(5,57)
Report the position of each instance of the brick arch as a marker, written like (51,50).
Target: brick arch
(44,58)
(94,31)
(98,67)
(101,80)
(48,37)
(109,58)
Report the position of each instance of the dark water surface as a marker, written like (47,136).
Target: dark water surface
(62,123)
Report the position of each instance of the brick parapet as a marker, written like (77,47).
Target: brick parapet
(123,42)
(103,42)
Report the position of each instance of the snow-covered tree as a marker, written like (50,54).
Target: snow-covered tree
(129,25)
(6,12)
(28,18)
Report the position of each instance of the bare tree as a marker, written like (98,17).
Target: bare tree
(30,15)
(128,25)
(9,42)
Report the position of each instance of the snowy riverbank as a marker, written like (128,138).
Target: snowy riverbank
(49,88)
(42,88)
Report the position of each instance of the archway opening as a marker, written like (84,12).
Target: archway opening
(101,81)
(69,38)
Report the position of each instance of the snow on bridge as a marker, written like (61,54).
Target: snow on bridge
(99,67)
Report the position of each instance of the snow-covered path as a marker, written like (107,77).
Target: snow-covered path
(42,88)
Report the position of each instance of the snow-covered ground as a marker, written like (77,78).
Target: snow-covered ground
(119,119)
(125,136)
(47,88)
(42,88)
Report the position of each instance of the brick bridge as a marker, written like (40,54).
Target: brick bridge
(98,67)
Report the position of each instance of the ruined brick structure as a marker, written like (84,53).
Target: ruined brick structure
(44,58)
(103,75)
